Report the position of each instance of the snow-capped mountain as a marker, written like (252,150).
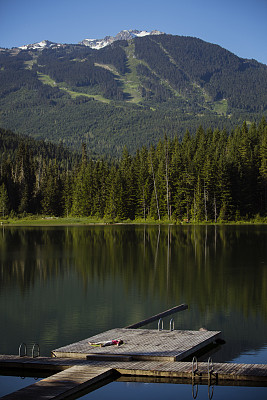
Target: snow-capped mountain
(44,44)
(93,43)
(122,35)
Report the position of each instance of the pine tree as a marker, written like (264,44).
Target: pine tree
(52,191)
(167,162)
(4,201)
(176,168)
(144,183)
(188,175)
(67,193)
(198,209)
(126,178)
(225,200)
(247,172)
(25,178)
(154,198)
(263,165)
(115,196)
(100,188)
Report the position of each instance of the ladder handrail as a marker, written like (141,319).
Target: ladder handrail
(25,349)
(172,324)
(160,321)
(38,350)
(194,371)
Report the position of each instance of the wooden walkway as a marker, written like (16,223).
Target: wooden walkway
(141,344)
(181,369)
(80,375)
(73,381)
(231,371)
(221,371)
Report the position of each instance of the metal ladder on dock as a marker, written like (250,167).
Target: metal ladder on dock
(195,372)
(160,324)
(35,351)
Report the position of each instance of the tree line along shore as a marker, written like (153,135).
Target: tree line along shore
(211,176)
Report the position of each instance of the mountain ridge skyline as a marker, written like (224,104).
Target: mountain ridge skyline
(240,28)
(125,34)
(99,43)
(143,87)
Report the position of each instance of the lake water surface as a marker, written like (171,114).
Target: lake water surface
(59,285)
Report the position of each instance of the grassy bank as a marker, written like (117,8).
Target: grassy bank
(52,221)
(39,220)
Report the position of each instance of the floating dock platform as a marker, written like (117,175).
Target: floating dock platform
(140,345)
(143,354)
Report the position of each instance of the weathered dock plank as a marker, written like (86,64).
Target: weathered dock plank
(66,383)
(142,344)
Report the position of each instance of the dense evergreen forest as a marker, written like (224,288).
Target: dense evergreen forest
(210,176)
(129,92)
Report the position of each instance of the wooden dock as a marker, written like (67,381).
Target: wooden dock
(167,369)
(72,381)
(181,369)
(144,354)
(80,376)
(141,344)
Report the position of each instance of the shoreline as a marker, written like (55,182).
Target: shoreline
(90,221)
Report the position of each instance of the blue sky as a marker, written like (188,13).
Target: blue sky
(237,25)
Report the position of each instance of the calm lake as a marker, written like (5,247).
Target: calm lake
(59,285)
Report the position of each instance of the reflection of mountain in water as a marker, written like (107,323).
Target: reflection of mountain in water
(219,271)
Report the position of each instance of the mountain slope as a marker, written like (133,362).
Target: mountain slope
(130,92)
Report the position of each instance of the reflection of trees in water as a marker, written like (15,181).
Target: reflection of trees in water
(222,266)
(27,254)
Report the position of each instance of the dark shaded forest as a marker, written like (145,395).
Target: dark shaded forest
(211,176)
(184,60)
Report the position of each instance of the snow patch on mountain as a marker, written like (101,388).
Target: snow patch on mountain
(93,43)
(40,46)
(122,35)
